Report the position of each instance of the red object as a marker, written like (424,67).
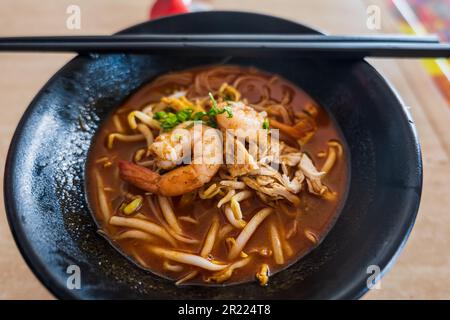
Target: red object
(162,8)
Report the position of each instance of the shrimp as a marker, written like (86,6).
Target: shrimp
(244,120)
(177,182)
(169,148)
(206,162)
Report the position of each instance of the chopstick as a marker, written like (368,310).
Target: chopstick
(239,44)
(225,37)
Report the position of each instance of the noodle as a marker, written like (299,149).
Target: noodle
(233,184)
(197,214)
(188,219)
(147,133)
(186,258)
(224,231)
(311,236)
(174,234)
(143,225)
(229,214)
(168,214)
(138,258)
(210,238)
(103,203)
(329,162)
(235,206)
(227,198)
(172,267)
(276,244)
(124,137)
(139,155)
(225,274)
(136,234)
(243,195)
(145,118)
(118,124)
(248,231)
(338,146)
(187,277)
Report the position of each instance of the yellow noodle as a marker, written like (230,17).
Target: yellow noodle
(124,137)
(139,155)
(118,124)
(280,110)
(329,162)
(338,146)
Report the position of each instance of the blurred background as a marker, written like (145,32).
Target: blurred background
(423,269)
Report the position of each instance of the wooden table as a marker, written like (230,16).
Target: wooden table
(423,269)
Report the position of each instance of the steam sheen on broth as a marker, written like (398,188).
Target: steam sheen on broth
(209,222)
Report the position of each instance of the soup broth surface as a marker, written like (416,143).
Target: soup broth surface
(300,228)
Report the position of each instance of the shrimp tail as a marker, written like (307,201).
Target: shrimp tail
(139,176)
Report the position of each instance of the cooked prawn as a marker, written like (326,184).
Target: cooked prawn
(171,148)
(177,182)
(184,179)
(245,119)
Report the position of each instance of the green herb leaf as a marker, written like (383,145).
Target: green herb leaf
(199,115)
(266,123)
(229,111)
(170,118)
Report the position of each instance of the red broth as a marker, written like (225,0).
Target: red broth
(311,220)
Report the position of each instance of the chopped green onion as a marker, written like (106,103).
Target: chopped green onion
(266,123)
(169,119)
(229,111)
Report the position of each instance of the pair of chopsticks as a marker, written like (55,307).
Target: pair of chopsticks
(238,44)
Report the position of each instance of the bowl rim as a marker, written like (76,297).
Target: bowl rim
(54,286)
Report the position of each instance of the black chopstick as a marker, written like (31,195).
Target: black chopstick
(226,38)
(245,45)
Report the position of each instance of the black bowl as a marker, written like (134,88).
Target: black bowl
(44,175)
